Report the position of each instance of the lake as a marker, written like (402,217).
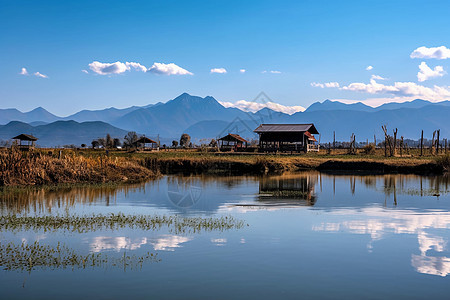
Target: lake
(306,236)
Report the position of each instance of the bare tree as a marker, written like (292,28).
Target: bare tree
(130,139)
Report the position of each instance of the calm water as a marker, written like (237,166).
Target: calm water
(309,236)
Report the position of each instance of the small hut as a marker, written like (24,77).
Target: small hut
(146,143)
(25,141)
(232,142)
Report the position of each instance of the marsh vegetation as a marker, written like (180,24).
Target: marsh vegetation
(28,257)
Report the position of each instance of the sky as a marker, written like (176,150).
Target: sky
(67,56)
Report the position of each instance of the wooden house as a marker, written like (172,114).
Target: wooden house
(287,137)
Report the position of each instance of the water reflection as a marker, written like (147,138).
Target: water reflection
(208,194)
(379,223)
(166,242)
(46,199)
(291,189)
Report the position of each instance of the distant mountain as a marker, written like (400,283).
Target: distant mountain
(171,118)
(36,115)
(418,103)
(336,105)
(62,132)
(106,115)
(205,118)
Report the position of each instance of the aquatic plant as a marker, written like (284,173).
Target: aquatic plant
(28,257)
(81,224)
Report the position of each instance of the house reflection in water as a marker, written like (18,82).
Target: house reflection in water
(295,189)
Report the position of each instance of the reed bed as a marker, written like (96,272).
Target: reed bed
(37,168)
(81,224)
(28,257)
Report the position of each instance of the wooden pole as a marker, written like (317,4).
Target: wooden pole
(375,140)
(334,140)
(432,143)
(421,144)
(401,146)
(437,141)
(395,142)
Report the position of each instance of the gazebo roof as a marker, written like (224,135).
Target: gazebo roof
(233,137)
(145,140)
(310,136)
(25,137)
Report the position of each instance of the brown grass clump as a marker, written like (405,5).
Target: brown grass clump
(369,149)
(444,162)
(35,168)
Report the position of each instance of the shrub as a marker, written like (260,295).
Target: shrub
(369,149)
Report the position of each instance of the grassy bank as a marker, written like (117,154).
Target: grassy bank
(44,168)
(211,163)
(95,166)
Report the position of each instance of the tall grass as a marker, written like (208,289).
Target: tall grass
(444,162)
(36,168)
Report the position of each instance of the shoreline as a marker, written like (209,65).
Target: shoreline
(118,167)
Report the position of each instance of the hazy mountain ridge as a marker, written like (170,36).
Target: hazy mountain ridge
(206,118)
(62,132)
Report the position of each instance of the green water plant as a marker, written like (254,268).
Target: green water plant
(174,224)
(28,257)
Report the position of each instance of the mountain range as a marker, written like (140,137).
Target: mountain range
(205,118)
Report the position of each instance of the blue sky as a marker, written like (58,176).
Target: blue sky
(310,43)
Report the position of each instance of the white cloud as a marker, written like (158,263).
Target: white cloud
(23,71)
(441,52)
(120,67)
(136,66)
(256,106)
(325,85)
(168,69)
(377,77)
(108,68)
(85,71)
(426,72)
(242,70)
(369,68)
(275,72)
(410,89)
(219,70)
(37,74)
